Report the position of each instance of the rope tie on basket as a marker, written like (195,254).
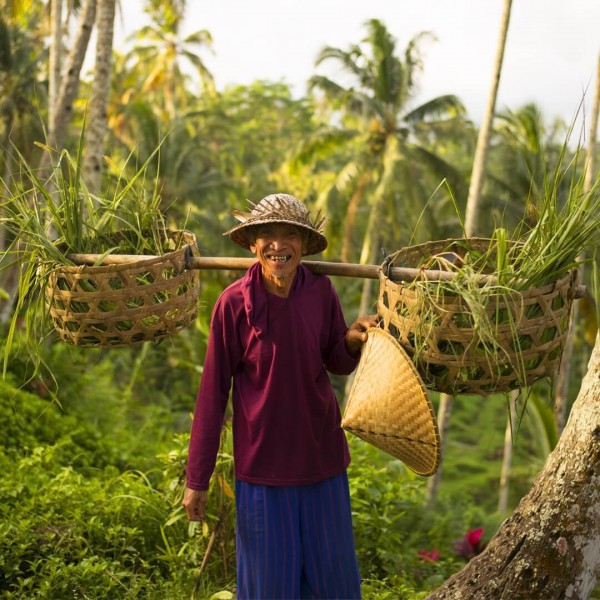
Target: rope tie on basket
(386,266)
(187,256)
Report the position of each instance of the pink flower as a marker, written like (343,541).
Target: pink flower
(470,545)
(432,555)
(474,536)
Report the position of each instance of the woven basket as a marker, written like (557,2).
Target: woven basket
(388,405)
(451,361)
(118,305)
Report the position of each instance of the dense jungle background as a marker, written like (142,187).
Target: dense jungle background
(93,442)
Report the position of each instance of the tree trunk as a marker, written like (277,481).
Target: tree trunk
(483,140)
(507,455)
(98,105)
(443,417)
(549,547)
(562,384)
(56,31)
(474,201)
(372,239)
(590,174)
(561,394)
(67,94)
(350,217)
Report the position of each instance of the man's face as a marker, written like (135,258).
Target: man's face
(279,248)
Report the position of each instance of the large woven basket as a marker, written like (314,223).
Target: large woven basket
(117,305)
(450,361)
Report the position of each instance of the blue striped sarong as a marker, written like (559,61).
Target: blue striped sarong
(296,542)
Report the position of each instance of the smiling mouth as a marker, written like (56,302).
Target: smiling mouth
(280,258)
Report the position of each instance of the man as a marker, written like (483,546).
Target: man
(275,332)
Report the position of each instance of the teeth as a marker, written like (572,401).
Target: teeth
(280,258)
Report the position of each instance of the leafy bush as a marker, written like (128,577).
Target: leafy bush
(72,524)
(28,422)
(394,529)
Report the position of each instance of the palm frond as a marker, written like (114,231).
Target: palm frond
(447,105)
(320,144)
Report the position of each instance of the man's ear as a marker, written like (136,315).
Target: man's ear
(253,248)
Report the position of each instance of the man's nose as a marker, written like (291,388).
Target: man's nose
(278,242)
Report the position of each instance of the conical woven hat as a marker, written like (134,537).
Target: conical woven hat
(388,405)
(279,208)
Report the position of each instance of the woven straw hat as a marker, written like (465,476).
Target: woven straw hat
(279,208)
(388,405)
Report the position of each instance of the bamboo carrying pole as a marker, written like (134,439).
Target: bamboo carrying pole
(317,267)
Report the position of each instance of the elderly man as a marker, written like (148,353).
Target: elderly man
(275,333)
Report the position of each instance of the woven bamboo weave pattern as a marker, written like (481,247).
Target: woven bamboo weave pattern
(450,361)
(117,305)
(388,405)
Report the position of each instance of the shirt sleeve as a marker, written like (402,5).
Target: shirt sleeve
(222,357)
(336,358)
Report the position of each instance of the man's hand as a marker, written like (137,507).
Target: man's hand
(194,503)
(356,335)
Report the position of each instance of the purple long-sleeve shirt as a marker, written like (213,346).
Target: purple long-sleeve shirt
(286,419)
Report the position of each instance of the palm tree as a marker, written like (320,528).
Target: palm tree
(163,49)
(379,153)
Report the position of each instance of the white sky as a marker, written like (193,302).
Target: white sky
(551,53)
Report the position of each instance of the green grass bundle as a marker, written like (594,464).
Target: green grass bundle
(49,216)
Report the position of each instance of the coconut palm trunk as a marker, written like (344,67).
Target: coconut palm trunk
(56,35)
(485,132)
(508,452)
(372,240)
(548,547)
(60,115)
(98,103)
(473,209)
(562,384)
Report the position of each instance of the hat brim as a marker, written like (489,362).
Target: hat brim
(388,405)
(316,241)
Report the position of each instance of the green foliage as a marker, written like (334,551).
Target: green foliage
(73,523)
(393,524)
(28,422)
(475,443)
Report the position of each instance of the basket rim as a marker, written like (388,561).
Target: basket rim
(544,289)
(142,261)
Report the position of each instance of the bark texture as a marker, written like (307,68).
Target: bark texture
(98,105)
(69,86)
(549,548)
